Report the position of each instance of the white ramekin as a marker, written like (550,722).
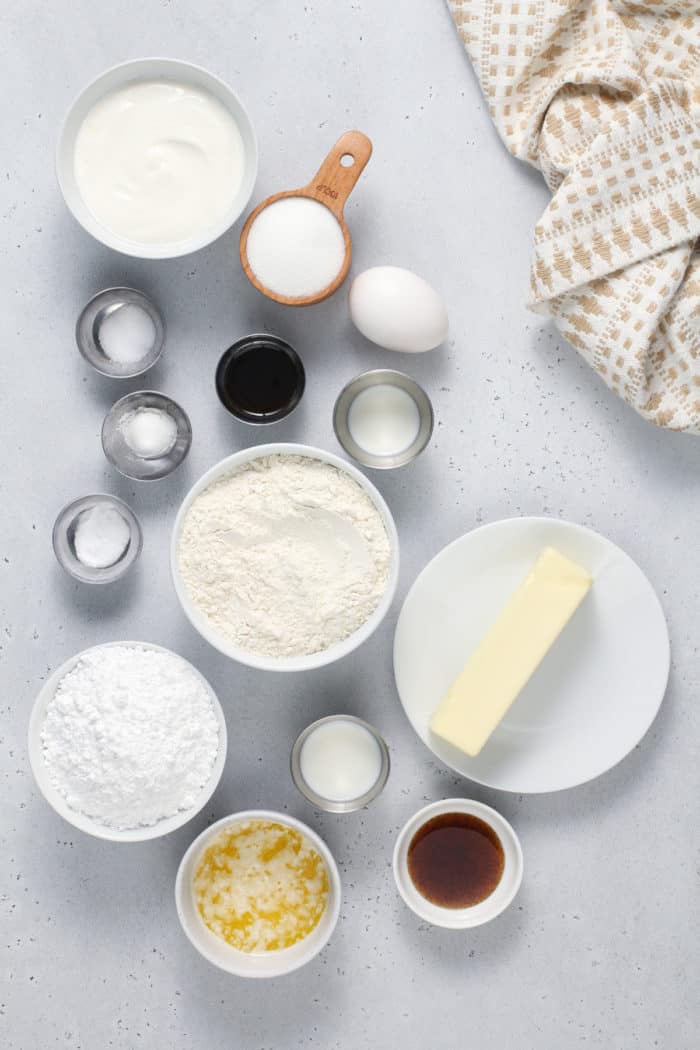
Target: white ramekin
(477,914)
(221,954)
(287,663)
(80,820)
(153,69)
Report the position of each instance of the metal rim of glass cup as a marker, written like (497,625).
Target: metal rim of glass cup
(65,552)
(331,805)
(121,456)
(243,344)
(94,312)
(378,377)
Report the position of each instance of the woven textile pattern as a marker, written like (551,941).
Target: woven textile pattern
(603,96)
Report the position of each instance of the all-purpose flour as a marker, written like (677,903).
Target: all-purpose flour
(285,557)
(130,736)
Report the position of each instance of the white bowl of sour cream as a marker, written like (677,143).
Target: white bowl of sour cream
(157,158)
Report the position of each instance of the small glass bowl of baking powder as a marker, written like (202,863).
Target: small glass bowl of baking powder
(97,538)
(121,333)
(146,435)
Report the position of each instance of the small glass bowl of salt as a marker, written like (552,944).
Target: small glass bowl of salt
(146,435)
(97,538)
(120,333)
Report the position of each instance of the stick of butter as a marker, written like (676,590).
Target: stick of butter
(512,650)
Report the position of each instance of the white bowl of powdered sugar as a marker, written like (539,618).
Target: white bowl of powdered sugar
(127,741)
(285,557)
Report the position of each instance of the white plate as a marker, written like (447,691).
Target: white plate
(80,820)
(596,692)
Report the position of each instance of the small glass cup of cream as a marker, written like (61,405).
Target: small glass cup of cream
(97,538)
(383,419)
(146,435)
(457,863)
(120,332)
(340,763)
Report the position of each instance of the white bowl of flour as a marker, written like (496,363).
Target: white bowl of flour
(285,557)
(127,741)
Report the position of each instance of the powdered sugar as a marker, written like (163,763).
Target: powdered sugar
(130,736)
(285,557)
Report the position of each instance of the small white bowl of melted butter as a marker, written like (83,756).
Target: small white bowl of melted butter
(157,158)
(258,894)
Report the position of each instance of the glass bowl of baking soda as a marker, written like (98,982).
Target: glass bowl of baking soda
(146,435)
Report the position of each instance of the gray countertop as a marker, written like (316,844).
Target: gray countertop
(600,945)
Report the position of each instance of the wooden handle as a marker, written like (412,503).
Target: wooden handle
(334,182)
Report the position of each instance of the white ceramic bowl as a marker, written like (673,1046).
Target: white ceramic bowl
(477,914)
(87,824)
(288,663)
(153,69)
(221,954)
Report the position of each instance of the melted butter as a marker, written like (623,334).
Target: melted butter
(260,886)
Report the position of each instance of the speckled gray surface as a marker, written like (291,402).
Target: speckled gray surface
(600,947)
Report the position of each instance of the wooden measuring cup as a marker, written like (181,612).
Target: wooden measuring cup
(331,186)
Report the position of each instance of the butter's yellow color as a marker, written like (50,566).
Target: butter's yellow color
(261,886)
(511,651)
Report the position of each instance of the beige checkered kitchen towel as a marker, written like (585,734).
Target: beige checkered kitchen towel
(603,96)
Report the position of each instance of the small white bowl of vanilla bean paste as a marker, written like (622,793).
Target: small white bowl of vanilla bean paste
(285,557)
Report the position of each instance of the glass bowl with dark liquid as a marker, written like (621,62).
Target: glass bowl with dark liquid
(458,863)
(260,379)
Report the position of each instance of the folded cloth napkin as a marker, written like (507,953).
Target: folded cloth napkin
(603,96)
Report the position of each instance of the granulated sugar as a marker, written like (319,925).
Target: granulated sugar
(296,247)
(130,736)
(285,557)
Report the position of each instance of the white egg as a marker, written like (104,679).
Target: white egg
(398,310)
